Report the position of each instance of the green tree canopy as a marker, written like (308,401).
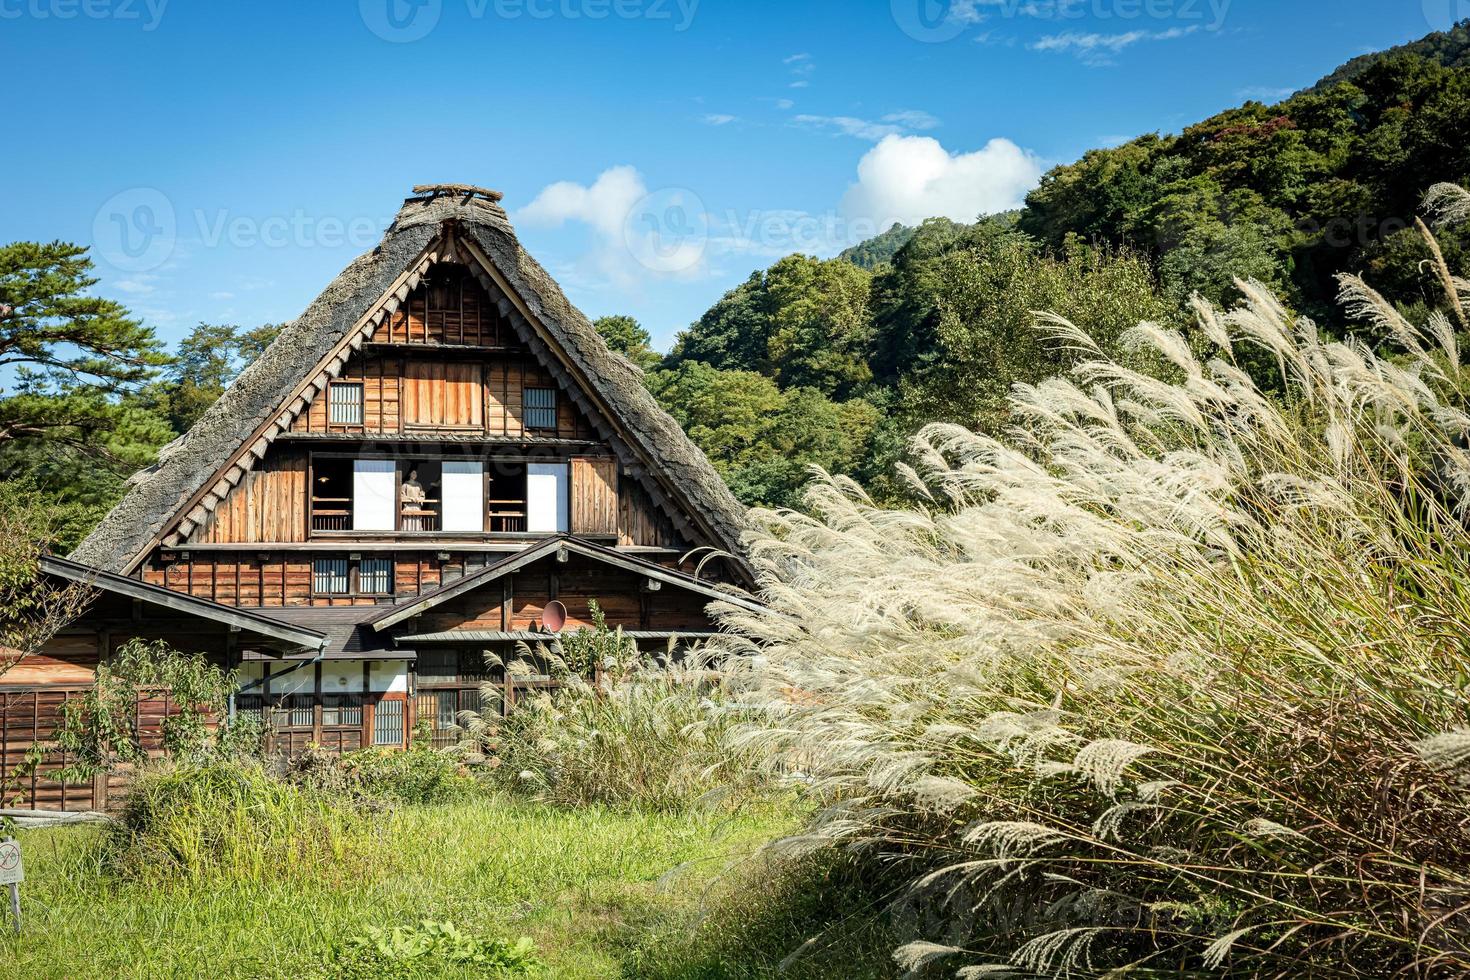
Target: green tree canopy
(209,358)
(627,337)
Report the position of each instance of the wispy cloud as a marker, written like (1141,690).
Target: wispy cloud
(1099,49)
(1264,93)
(800,67)
(719,118)
(893,124)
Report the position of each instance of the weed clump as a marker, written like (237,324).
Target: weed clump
(430,949)
(650,740)
(232,821)
(387,776)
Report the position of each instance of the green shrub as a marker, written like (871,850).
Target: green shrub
(1174,679)
(430,949)
(233,821)
(420,775)
(654,741)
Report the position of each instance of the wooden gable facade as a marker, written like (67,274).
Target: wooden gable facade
(436,453)
(443,389)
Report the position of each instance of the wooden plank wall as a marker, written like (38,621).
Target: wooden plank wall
(443,394)
(594,492)
(32,715)
(269,504)
(642,523)
(379,377)
(451,307)
(484,394)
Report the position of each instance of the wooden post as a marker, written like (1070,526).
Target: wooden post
(316,706)
(267,714)
(367,704)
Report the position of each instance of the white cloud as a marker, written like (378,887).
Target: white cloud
(719,118)
(638,234)
(784,103)
(893,124)
(1098,49)
(138,286)
(793,59)
(910,178)
(801,84)
(604,205)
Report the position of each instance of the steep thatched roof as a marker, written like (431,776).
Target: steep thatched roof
(673,468)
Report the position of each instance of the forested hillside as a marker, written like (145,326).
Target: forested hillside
(835,362)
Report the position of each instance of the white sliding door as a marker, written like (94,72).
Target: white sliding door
(547,497)
(374,495)
(464,496)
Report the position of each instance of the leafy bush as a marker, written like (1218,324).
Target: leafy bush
(651,741)
(233,821)
(431,949)
(1174,679)
(420,775)
(99,729)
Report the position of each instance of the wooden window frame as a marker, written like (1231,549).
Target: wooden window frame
(360,403)
(355,575)
(527,408)
(347,578)
(354,579)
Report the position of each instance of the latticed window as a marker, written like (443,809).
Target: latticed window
(344,403)
(329,576)
(375,576)
(342,709)
(540,405)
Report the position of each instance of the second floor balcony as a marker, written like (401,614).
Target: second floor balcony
(376,497)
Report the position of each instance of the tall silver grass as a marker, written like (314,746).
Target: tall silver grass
(1173,675)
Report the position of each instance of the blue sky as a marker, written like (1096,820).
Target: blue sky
(226,159)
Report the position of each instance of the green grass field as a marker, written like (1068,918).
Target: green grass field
(603,894)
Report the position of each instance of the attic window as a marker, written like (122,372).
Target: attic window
(540,405)
(344,403)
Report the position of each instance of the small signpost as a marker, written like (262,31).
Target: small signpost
(12,873)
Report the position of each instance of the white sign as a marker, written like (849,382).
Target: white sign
(11,872)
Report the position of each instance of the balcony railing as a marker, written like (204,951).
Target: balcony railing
(501,517)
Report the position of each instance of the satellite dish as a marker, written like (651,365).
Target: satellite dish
(554,616)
